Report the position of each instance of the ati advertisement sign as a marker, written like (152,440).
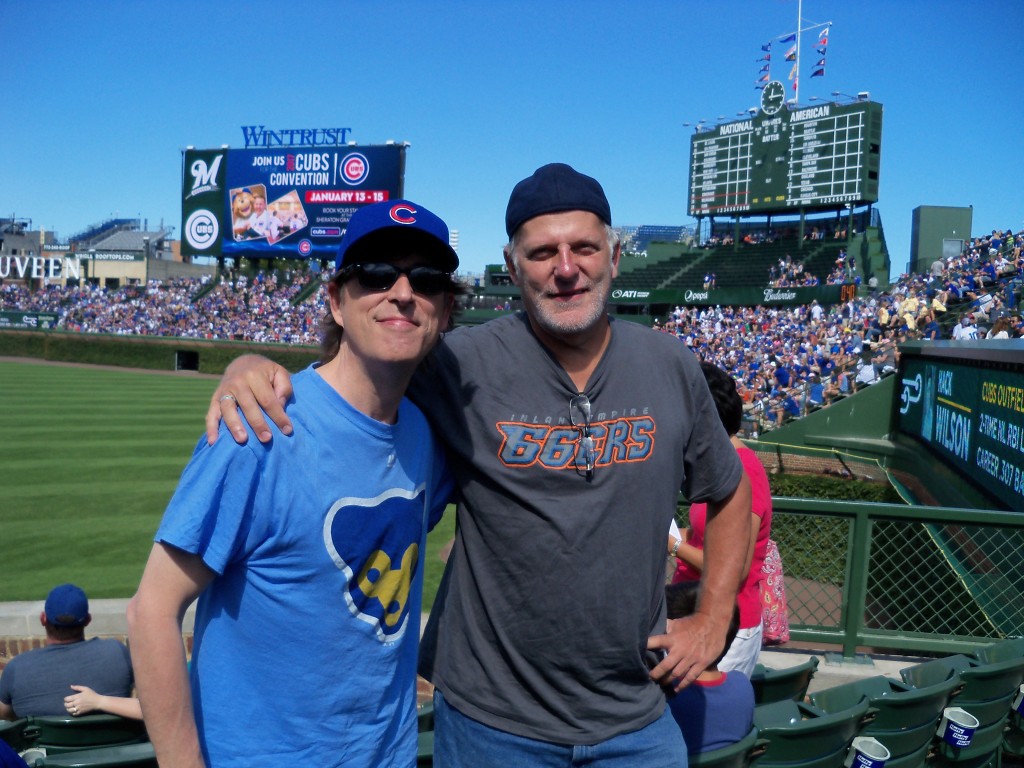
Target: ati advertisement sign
(971,417)
(284,202)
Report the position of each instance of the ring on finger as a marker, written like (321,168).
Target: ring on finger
(227,397)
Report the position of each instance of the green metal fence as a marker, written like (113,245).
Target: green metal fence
(896,578)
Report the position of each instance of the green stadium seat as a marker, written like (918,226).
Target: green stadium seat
(772,685)
(69,734)
(123,756)
(425,717)
(1007,650)
(1004,650)
(13,732)
(802,736)
(905,718)
(988,689)
(985,750)
(425,749)
(738,755)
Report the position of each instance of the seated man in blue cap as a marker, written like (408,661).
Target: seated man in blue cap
(306,554)
(36,682)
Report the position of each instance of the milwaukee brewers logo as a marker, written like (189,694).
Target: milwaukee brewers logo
(375,542)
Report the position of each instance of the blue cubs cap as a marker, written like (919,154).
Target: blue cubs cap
(67,606)
(554,188)
(395,220)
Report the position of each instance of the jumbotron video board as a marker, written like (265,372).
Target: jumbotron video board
(784,159)
(282,202)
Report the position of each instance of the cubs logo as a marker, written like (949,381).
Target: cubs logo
(354,168)
(202,229)
(402,214)
(376,544)
(305,247)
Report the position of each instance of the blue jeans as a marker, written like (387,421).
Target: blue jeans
(461,742)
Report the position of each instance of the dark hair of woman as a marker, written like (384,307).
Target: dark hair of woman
(727,399)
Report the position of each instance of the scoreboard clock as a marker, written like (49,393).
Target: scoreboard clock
(787,158)
(773,97)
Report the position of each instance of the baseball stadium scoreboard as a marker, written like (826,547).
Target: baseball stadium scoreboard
(785,159)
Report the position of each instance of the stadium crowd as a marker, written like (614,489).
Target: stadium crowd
(787,360)
(242,308)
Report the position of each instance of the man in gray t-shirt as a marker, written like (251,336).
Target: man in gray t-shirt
(36,682)
(570,435)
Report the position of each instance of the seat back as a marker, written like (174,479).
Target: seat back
(1004,650)
(69,734)
(935,671)
(905,718)
(995,680)
(771,685)
(738,755)
(802,736)
(122,756)
(13,733)
(984,750)
(425,749)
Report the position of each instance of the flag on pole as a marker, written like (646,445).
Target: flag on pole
(824,37)
(818,72)
(764,68)
(792,72)
(791,54)
(821,63)
(766,57)
(796,81)
(763,79)
(788,38)
(766,47)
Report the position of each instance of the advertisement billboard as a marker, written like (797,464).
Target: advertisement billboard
(969,416)
(281,202)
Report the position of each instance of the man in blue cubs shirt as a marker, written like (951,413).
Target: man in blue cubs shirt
(306,554)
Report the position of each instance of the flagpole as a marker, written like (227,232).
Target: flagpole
(799,21)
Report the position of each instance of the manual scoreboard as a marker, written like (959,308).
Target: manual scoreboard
(785,159)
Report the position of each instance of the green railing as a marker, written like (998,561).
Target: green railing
(895,578)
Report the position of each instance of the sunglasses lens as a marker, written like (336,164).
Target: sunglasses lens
(381,276)
(428,280)
(377,277)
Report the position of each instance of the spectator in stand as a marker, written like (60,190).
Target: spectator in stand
(718,708)
(36,682)
(743,650)
(1001,329)
(965,330)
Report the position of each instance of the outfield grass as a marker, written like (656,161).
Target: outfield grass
(88,460)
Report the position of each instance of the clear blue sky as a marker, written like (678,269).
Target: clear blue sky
(101,96)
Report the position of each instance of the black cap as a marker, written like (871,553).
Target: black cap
(554,188)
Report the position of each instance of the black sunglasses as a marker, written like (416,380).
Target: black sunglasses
(579,417)
(380,276)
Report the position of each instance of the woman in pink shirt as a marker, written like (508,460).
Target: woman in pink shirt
(689,547)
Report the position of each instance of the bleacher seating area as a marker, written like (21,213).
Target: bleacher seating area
(787,361)
(792,729)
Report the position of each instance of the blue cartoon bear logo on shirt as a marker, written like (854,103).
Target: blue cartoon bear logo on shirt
(376,543)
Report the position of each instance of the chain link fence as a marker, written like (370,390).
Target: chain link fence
(914,578)
(892,577)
